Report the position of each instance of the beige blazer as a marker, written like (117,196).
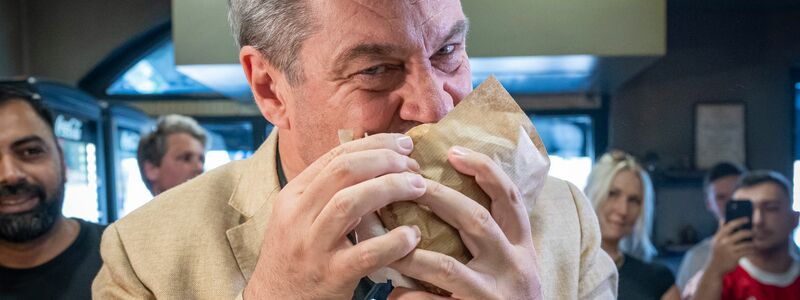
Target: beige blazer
(201,240)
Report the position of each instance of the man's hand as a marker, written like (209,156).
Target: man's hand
(504,259)
(305,253)
(728,246)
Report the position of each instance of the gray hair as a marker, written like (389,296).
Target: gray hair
(153,145)
(277,28)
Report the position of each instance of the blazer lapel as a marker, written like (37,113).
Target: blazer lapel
(253,197)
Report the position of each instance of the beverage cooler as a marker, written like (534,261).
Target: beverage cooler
(78,128)
(124,126)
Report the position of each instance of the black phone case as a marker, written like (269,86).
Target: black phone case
(735,209)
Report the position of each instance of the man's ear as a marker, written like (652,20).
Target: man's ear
(151,171)
(263,78)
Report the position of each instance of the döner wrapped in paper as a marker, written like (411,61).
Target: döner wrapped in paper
(488,121)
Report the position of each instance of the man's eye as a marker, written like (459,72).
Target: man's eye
(379,77)
(32,152)
(448,49)
(447,59)
(376,70)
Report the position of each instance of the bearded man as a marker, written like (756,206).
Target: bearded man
(43,255)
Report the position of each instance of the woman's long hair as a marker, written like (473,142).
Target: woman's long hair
(637,244)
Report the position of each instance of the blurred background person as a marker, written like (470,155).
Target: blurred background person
(718,186)
(43,255)
(757,263)
(622,195)
(171,154)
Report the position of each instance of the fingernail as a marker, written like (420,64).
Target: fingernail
(405,143)
(413,165)
(417,232)
(459,151)
(415,180)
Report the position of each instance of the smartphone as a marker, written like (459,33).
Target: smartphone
(737,208)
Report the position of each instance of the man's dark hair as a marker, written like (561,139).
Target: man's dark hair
(14,92)
(754,178)
(723,169)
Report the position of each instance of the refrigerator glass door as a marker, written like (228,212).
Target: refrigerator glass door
(79,144)
(131,191)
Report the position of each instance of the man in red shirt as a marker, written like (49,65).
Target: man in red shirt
(757,263)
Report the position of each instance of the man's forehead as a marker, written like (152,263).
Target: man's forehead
(419,9)
(763,192)
(724,185)
(18,119)
(401,24)
(729,179)
(395,13)
(182,141)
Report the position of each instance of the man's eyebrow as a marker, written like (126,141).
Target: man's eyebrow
(382,50)
(28,139)
(363,50)
(460,28)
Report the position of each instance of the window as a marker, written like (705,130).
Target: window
(155,74)
(536,74)
(570,144)
(144,69)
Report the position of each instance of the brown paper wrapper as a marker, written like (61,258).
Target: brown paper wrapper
(488,121)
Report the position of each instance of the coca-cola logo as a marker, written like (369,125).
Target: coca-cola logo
(128,140)
(68,128)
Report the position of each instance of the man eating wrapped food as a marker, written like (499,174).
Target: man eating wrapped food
(385,175)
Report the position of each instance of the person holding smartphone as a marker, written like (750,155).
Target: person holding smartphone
(718,186)
(753,263)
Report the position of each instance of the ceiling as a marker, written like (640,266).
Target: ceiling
(733,4)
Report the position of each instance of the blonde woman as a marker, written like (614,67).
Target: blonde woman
(622,195)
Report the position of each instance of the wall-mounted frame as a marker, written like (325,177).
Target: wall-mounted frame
(720,133)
